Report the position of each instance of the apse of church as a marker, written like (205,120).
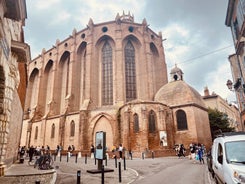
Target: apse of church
(102,78)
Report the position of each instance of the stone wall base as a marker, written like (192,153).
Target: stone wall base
(47,178)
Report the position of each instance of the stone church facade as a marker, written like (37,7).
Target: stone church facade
(111,77)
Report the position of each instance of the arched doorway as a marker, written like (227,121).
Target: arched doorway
(104,125)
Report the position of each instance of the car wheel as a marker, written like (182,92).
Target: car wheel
(215,179)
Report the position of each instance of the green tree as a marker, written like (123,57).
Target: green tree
(219,122)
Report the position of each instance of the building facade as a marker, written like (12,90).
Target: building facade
(235,20)
(14,54)
(109,77)
(214,101)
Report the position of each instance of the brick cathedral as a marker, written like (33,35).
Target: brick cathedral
(111,77)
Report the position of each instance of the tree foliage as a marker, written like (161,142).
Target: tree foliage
(219,122)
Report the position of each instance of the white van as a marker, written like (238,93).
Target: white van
(228,158)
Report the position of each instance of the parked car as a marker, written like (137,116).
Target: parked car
(228,158)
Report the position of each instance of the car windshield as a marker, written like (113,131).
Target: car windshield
(235,152)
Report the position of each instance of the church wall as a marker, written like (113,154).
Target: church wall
(72,140)
(39,140)
(84,85)
(143,140)
(186,136)
(203,128)
(92,72)
(110,125)
(198,127)
(52,142)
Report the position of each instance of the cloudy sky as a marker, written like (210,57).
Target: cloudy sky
(197,39)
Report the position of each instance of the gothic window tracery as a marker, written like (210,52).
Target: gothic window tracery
(136,123)
(152,121)
(107,86)
(72,129)
(53,131)
(130,74)
(36,132)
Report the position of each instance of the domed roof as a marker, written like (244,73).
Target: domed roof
(178,93)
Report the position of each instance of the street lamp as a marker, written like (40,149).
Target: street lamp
(229,84)
(236,86)
(239,89)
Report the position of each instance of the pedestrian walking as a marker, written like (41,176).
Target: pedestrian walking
(31,153)
(120,150)
(92,151)
(181,151)
(200,154)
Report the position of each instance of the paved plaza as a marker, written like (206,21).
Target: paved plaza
(66,171)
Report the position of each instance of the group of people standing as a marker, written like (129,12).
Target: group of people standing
(33,151)
(196,151)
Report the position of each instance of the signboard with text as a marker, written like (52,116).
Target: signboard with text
(100,145)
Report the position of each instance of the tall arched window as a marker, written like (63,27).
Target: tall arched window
(130,74)
(136,123)
(181,120)
(152,121)
(53,131)
(107,86)
(72,129)
(36,132)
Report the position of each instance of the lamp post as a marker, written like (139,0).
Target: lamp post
(229,84)
(239,89)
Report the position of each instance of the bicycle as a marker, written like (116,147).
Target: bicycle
(34,161)
(44,162)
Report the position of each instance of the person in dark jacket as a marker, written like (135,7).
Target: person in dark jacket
(181,151)
(31,153)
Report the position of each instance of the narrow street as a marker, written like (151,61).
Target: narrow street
(170,170)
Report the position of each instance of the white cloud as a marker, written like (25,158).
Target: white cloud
(216,82)
(60,18)
(43,5)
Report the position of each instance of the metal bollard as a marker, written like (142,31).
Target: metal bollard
(124,163)
(60,157)
(67,157)
(76,158)
(85,158)
(115,161)
(143,156)
(78,176)
(152,154)
(54,157)
(102,174)
(106,161)
(119,172)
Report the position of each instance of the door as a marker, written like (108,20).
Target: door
(104,125)
(218,162)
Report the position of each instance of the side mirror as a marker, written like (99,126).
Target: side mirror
(220,159)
